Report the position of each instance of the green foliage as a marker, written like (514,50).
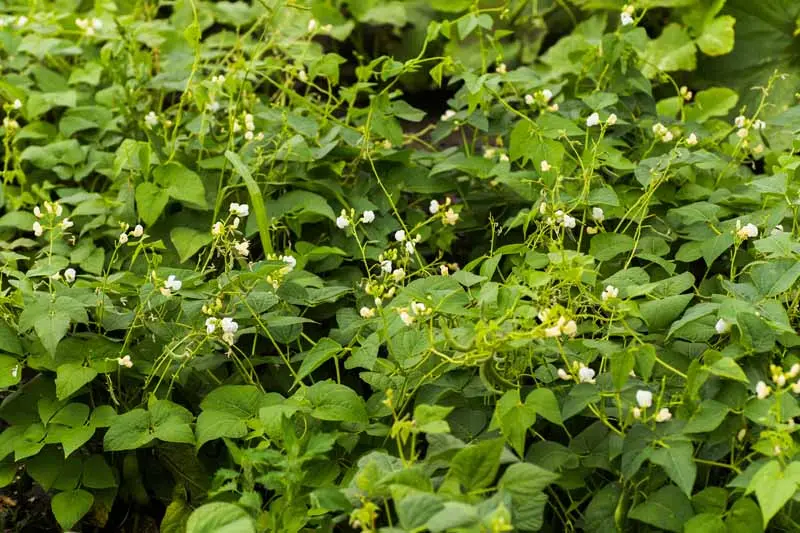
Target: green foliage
(400,266)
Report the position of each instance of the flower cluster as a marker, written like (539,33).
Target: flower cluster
(409,314)
(136,233)
(220,230)
(449,216)
(227,325)
(171,284)
(345,219)
(542,98)
(644,400)
(744,124)
(780,378)
(89,25)
(609,293)
(594,120)
(559,218)
(626,15)
(747,231)
(561,327)
(662,133)
(52,211)
(585,374)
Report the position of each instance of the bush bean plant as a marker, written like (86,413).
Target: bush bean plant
(384,266)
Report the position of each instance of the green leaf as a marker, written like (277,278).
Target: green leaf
(181,184)
(325,349)
(150,202)
(678,462)
(255,199)
(51,328)
(476,465)
(717,37)
(417,508)
(514,419)
(660,314)
(708,417)
(331,401)
(188,241)
(70,506)
(544,402)
(431,418)
(225,412)
(71,377)
(128,431)
(606,246)
(713,102)
(97,474)
(705,523)
(599,516)
(725,367)
(668,509)
(774,487)
(672,50)
(10,371)
(220,517)
(744,517)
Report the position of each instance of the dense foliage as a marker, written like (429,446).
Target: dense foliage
(393,266)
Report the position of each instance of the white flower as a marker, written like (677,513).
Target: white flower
(138,231)
(568,221)
(443,270)
(240,210)
(37,229)
(151,119)
(59,209)
(612,119)
(342,221)
(554,331)
(529,99)
(545,166)
(667,137)
(211,324)
(37,212)
(69,275)
(399,235)
(504,158)
(216,229)
(450,217)
(398,274)
(229,325)
(433,207)
(406,318)
(219,80)
(691,140)
(762,390)
(172,283)
(637,413)
(644,398)
(562,374)
(312,25)
(386,266)
(123,238)
(794,370)
(366,312)
(759,124)
(489,153)
(586,374)
(17,104)
(125,361)
(593,120)
(97,23)
(740,121)
(570,328)
(66,224)
(779,380)
(21,21)
(290,261)
(609,292)
(243,248)
(547,94)
(598,215)
(722,326)
(410,247)
(625,19)
(749,230)
(448,115)
(248,122)
(501,68)
(368,217)
(248,136)
(663,415)
(418,308)
(742,133)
